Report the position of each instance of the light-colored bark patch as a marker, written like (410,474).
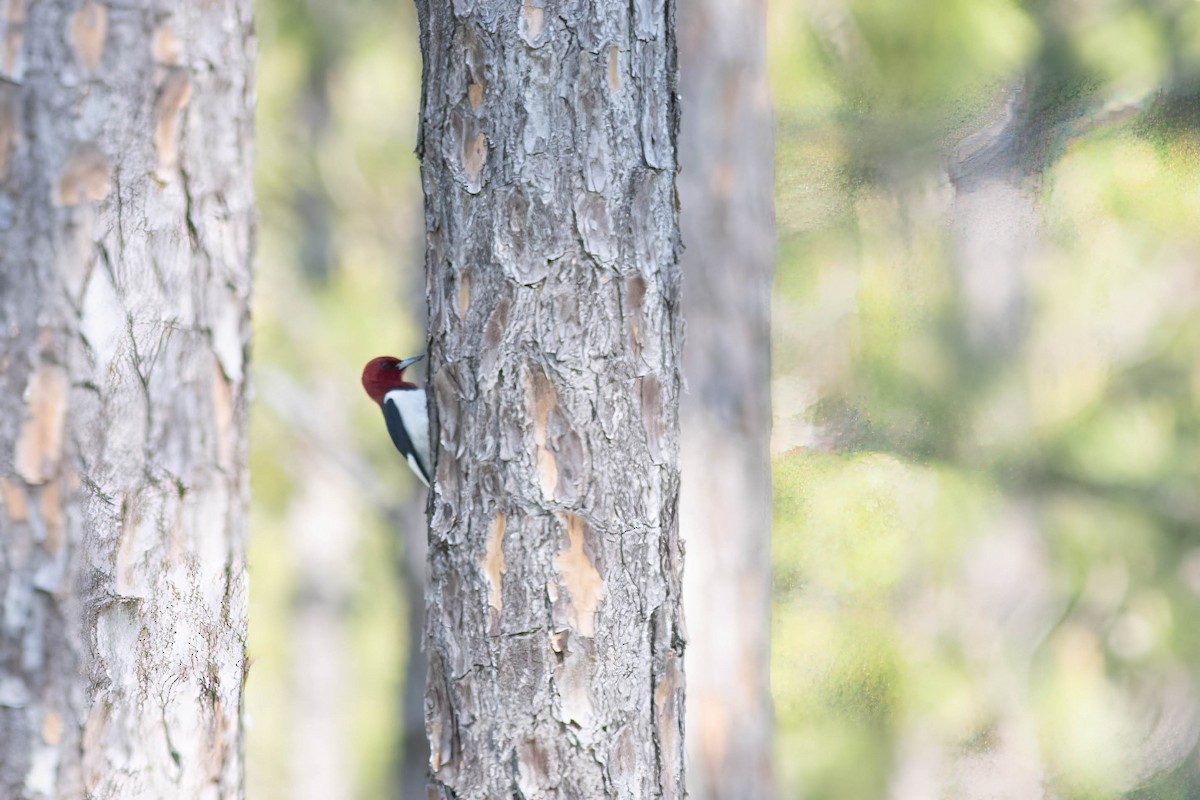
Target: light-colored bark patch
(86,177)
(164,47)
(652,416)
(52,727)
(95,761)
(173,96)
(474,156)
(635,295)
(14,38)
(138,537)
(13,498)
(533,20)
(87,31)
(614,72)
(667,697)
(578,575)
(573,679)
(8,124)
(14,41)
(493,568)
(595,225)
(534,775)
(39,446)
(14,13)
(475,94)
(464,294)
(540,399)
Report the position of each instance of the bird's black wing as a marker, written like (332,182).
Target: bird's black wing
(400,438)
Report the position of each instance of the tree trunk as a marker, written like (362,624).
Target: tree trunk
(126,230)
(554,624)
(726,191)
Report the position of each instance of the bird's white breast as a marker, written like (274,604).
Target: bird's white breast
(414,414)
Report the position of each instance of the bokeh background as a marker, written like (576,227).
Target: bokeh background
(986,390)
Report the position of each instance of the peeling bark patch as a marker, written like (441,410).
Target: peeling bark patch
(86,176)
(572,679)
(138,537)
(475,151)
(540,399)
(652,416)
(15,12)
(441,723)
(668,695)
(595,226)
(579,577)
(614,72)
(164,47)
(87,31)
(173,96)
(8,124)
(493,332)
(14,37)
(13,497)
(464,294)
(493,335)
(52,727)
(474,56)
(533,20)
(572,461)
(534,775)
(493,568)
(636,295)
(39,446)
(95,761)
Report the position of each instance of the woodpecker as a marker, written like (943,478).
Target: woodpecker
(403,405)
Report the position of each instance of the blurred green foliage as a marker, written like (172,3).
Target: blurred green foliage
(973,542)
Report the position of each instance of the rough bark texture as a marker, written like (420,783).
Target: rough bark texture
(126,229)
(726,193)
(554,628)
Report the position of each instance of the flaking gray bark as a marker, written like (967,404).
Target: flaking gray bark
(726,191)
(554,629)
(126,229)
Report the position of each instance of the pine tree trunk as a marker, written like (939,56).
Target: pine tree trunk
(126,230)
(726,192)
(554,627)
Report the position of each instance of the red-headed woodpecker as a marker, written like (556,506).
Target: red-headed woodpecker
(403,405)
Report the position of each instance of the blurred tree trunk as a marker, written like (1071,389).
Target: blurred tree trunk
(322,530)
(412,763)
(726,188)
(126,231)
(554,623)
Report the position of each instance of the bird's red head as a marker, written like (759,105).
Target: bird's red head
(385,373)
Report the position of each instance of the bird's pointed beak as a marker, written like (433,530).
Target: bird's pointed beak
(406,363)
